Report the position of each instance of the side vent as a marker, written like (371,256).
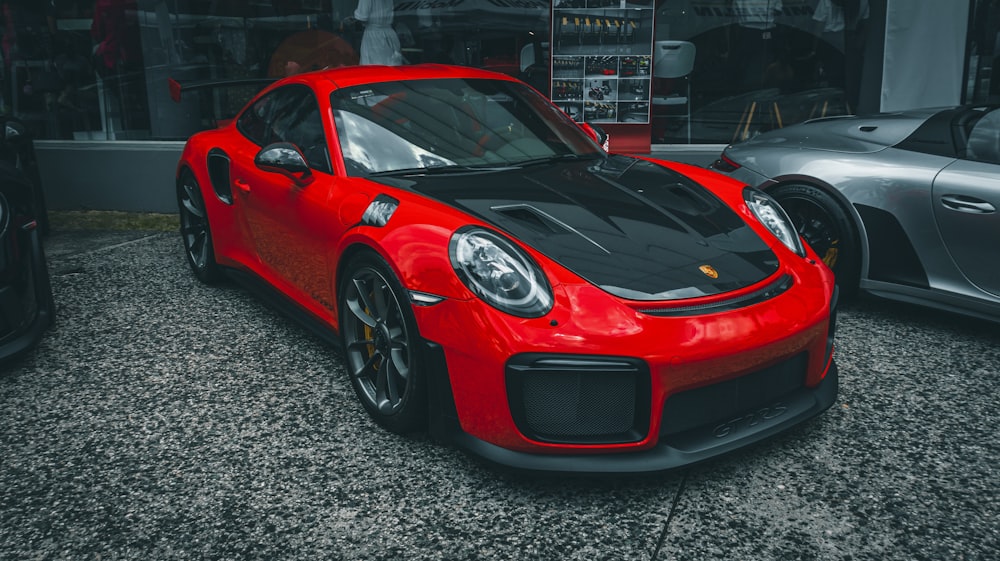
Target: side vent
(218,173)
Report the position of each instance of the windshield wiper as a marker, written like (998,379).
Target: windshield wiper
(443,170)
(433,170)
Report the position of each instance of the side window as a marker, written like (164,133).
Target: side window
(253,122)
(290,114)
(297,120)
(984,140)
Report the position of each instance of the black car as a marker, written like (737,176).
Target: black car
(27,307)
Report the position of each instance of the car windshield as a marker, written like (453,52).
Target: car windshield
(441,125)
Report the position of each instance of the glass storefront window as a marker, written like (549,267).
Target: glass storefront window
(720,71)
(725,70)
(99,69)
(983,62)
(73,69)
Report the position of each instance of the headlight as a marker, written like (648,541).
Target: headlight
(771,215)
(500,273)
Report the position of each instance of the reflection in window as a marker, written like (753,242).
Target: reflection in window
(727,70)
(983,62)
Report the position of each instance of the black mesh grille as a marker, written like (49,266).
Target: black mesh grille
(579,404)
(579,400)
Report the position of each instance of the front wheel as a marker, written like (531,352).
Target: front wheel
(195,230)
(826,227)
(380,345)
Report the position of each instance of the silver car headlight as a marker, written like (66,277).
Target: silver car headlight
(773,217)
(500,273)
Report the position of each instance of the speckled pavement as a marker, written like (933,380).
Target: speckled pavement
(162,419)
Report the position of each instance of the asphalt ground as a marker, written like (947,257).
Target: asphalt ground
(162,419)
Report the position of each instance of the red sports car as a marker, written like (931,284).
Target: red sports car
(495,277)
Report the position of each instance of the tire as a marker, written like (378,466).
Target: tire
(195,231)
(380,340)
(826,227)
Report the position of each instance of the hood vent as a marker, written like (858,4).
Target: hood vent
(541,221)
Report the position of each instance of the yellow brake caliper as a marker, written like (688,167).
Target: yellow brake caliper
(830,258)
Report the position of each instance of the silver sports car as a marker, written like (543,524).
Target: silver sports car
(902,205)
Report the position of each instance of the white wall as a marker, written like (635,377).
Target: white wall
(924,53)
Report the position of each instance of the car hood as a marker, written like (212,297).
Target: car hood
(634,228)
(845,134)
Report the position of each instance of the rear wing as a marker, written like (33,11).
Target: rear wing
(176,88)
(224,100)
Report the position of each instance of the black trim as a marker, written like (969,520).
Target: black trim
(891,255)
(773,289)
(278,301)
(693,417)
(442,418)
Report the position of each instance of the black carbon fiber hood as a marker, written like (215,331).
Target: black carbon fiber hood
(636,229)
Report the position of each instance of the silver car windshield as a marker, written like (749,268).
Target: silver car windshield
(442,124)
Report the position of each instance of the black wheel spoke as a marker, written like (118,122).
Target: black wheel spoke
(192,201)
(202,251)
(360,344)
(399,353)
(386,392)
(381,307)
(190,207)
(361,306)
(360,371)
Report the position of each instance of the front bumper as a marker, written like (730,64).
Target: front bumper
(719,382)
(693,446)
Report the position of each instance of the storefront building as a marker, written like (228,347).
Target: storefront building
(679,78)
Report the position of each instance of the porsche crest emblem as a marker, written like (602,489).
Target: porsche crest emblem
(709,271)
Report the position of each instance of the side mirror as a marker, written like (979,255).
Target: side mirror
(598,135)
(285,158)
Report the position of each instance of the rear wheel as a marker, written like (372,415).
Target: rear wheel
(195,230)
(380,344)
(828,230)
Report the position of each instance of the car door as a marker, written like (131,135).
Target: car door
(966,197)
(288,221)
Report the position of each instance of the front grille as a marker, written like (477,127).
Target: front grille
(721,402)
(579,399)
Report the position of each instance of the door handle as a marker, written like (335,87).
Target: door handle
(242,185)
(962,203)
